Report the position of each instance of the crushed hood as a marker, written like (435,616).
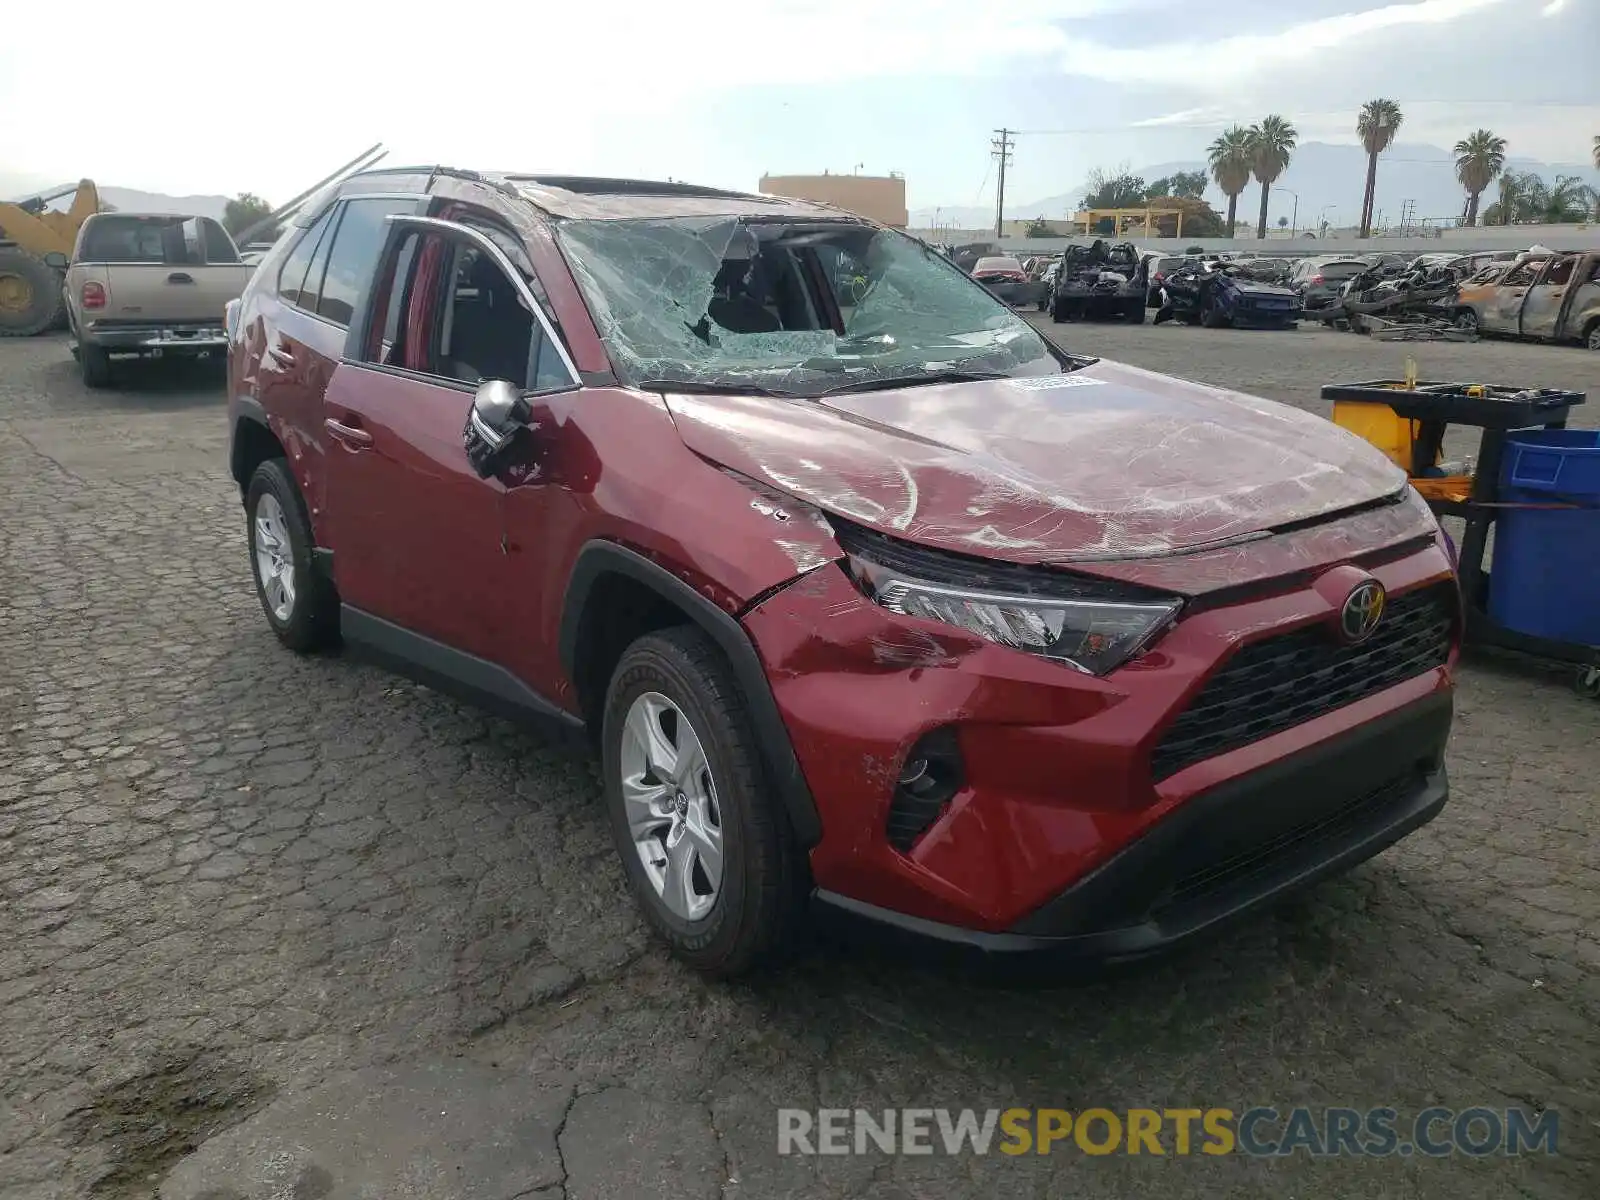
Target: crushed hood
(1108,462)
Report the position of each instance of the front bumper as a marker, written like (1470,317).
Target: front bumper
(1066,774)
(1227,851)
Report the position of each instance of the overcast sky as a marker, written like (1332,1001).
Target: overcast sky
(184,98)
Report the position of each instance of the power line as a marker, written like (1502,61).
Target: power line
(1002,146)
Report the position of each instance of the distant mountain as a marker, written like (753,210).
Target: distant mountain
(129,200)
(14,184)
(1325,175)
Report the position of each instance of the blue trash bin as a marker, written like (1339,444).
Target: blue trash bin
(1545,575)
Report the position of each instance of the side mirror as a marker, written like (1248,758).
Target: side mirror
(498,414)
(56,260)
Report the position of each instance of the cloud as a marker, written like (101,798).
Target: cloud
(1221,64)
(1554,7)
(1188,117)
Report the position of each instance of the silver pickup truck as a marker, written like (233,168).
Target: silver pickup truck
(150,285)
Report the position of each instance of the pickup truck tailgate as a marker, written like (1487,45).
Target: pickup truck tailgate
(160,293)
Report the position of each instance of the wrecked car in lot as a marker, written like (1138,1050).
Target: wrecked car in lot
(871,599)
(1007,280)
(1554,297)
(1101,283)
(1215,294)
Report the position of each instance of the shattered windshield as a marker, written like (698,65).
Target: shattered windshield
(789,306)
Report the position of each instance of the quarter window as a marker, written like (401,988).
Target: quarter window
(292,276)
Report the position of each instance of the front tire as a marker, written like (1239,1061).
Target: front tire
(299,602)
(707,850)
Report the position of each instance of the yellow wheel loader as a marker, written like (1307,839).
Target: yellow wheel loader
(35,245)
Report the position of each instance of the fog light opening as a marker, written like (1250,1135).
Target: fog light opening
(929,778)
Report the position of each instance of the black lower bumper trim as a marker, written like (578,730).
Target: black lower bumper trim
(1229,850)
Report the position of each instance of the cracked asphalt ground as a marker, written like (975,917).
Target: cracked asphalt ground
(237,882)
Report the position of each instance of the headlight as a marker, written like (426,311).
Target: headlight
(1092,634)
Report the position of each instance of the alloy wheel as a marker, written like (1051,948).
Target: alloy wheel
(1594,337)
(670,800)
(274,557)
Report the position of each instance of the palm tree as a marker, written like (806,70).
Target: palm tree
(1480,158)
(1568,199)
(1230,160)
(1271,147)
(1378,123)
(1513,196)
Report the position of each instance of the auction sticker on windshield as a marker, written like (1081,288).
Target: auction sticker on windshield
(1048,383)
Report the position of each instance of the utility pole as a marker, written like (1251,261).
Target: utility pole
(1002,147)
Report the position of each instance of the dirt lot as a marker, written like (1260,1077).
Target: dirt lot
(228,875)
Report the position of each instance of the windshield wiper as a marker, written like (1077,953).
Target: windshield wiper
(902,381)
(702,387)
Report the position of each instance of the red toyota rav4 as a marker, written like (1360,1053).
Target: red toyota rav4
(870,596)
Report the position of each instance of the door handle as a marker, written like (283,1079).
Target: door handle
(284,358)
(180,277)
(349,435)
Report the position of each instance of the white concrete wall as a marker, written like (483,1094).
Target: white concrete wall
(1498,237)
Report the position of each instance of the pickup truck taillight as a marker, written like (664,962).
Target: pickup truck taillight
(230,318)
(93,295)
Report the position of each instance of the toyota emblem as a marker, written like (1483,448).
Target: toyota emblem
(1362,611)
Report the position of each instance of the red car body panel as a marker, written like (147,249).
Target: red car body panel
(1108,462)
(1058,763)
(286,358)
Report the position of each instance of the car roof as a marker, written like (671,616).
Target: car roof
(598,197)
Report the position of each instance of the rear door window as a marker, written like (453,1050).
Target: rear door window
(356,244)
(218,246)
(1560,272)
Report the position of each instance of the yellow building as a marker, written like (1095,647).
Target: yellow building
(880,198)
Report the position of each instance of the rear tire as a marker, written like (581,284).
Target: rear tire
(1591,336)
(1133,312)
(94,364)
(305,614)
(668,684)
(1211,316)
(30,294)
(1467,320)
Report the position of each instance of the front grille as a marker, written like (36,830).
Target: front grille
(1240,867)
(1284,681)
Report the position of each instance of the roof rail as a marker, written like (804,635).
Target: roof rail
(601,186)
